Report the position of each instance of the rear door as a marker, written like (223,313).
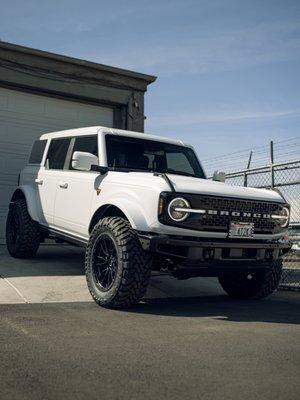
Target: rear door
(49,176)
(75,190)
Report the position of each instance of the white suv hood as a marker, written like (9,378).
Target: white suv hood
(186,184)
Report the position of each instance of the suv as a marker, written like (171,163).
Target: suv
(142,203)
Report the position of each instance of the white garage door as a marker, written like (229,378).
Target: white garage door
(23,118)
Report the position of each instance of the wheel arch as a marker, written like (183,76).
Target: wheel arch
(18,194)
(26,193)
(124,209)
(106,210)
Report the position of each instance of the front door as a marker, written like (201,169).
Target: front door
(75,190)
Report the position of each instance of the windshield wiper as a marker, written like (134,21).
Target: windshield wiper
(166,178)
(127,169)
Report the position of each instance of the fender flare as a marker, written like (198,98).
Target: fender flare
(30,198)
(132,211)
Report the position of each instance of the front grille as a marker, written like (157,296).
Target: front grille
(216,222)
(220,223)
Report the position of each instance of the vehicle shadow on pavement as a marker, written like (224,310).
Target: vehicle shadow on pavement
(166,296)
(281,307)
(49,261)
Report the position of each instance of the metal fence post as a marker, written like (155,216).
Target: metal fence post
(272,164)
(248,167)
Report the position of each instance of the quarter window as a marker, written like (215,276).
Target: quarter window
(57,153)
(37,151)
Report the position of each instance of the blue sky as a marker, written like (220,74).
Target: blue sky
(228,70)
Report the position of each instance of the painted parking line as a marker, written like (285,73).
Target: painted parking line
(15,289)
(7,294)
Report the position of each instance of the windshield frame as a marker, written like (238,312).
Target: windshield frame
(188,151)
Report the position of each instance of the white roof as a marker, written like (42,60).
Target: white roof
(93,130)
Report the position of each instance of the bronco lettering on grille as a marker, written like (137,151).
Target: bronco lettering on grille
(238,214)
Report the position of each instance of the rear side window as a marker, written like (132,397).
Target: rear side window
(88,144)
(57,153)
(37,151)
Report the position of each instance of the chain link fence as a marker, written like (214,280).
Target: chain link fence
(284,177)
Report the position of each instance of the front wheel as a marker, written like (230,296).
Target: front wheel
(252,285)
(116,266)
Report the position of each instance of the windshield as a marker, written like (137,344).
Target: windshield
(132,154)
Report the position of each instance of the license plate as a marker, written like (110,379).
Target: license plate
(241,230)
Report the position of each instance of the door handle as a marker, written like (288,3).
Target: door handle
(38,181)
(63,185)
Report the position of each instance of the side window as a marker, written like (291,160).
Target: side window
(37,151)
(57,153)
(88,144)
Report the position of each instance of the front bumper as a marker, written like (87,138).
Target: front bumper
(194,252)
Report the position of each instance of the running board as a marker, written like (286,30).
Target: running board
(65,237)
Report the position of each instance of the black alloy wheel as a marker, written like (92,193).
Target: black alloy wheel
(105,263)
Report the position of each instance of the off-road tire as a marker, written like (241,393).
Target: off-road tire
(133,265)
(262,284)
(26,241)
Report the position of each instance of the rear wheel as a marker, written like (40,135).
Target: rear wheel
(252,285)
(117,268)
(23,235)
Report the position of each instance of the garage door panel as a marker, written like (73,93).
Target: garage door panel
(26,125)
(21,105)
(3,215)
(12,160)
(24,117)
(65,113)
(10,165)
(6,192)
(90,117)
(3,100)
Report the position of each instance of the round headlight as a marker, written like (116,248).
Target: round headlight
(176,209)
(282,217)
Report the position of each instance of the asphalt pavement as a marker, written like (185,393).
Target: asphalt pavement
(186,340)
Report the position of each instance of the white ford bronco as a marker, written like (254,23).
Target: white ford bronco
(142,203)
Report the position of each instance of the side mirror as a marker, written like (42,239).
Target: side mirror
(219,176)
(83,161)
